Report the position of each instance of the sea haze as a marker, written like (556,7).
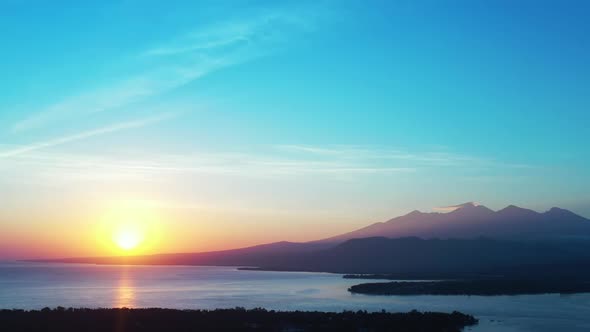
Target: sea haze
(36,285)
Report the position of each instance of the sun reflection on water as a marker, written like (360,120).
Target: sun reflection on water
(125,293)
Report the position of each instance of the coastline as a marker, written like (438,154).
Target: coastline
(495,287)
(237,319)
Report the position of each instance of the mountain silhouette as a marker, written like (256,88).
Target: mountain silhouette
(470,220)
(470,240)
(408,257)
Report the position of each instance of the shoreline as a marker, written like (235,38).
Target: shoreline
(237,319)
(491,287)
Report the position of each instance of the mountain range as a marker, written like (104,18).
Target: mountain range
(471,220)
(470,240)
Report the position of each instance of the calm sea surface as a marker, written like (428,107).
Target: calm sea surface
(34,286)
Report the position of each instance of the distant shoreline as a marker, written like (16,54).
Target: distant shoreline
(492,287)
(238,319)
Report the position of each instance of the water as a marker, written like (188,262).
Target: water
(34,286)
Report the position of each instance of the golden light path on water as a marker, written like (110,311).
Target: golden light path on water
(125,293)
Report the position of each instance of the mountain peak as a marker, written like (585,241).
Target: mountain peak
(558,210)
(561,213)
(452,208)
(471,219)
(467,205)
(471,210)
(515,211)
(513,207)
(414,213)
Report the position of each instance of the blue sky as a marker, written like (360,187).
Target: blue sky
(299,113)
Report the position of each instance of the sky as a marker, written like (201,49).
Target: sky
(222,124)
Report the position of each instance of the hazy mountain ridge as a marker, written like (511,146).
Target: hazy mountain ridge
(409,257)
(439,245)
(470,220)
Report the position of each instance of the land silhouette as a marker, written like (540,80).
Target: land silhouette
(471,220)
(474,242)
(471,250)
(238,319)
(473,287)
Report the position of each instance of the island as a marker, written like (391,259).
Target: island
(237,319)
(399,276)
(473,287)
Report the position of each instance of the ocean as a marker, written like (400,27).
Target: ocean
(38,285)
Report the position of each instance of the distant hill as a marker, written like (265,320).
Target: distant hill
(414,257)
(469,241)
(250,256)
(404,257)
(471,220)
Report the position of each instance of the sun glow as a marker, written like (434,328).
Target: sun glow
(128,236)
(129,228)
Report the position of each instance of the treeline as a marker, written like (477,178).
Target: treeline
(238,319)
(474,287)
(402,276)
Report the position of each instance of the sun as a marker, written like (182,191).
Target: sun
(128,236)
(129,229)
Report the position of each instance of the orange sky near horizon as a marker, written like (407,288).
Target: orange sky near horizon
(82,233)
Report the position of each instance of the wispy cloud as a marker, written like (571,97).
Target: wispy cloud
(265,163)
(343,162)
(83,135)
(374,154)
(179,61)
(236,164)
(270,28)
(119,94)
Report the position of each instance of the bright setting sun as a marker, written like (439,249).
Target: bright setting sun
(128,228)
(128,236)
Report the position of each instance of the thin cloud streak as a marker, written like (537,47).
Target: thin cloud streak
(122,93)
(270,28)
(223,45)
(268,162)
(85,135)
(234,164)
(419,159)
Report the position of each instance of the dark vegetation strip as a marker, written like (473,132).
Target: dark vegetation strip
(474,287)
(398,276)
(238,319)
